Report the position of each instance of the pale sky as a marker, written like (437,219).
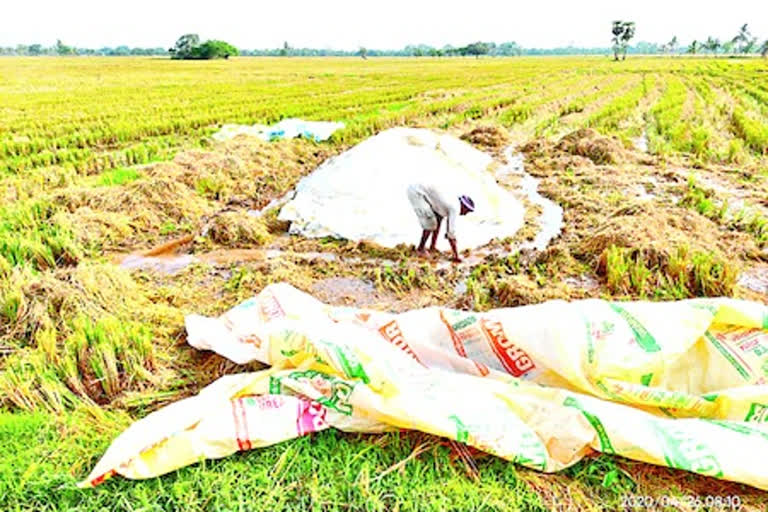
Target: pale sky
(384,24)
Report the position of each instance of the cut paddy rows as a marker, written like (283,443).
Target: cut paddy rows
(94,135)
(200,233)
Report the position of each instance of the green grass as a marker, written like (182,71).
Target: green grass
(119,176)
(43,459)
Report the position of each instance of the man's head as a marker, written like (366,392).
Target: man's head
(467,205)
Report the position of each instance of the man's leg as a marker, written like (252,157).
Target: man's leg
(435,233)
(424,213)
(424,235)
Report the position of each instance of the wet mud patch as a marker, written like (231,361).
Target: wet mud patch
(629,224)
(347,291)
(755,279)
(544,217)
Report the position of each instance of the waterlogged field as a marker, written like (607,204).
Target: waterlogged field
(660,166)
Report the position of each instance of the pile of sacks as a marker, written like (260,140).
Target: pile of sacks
(678,384)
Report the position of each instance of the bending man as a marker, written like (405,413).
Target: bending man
(432,205)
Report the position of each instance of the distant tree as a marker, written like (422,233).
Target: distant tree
(694,48)
(507,49)
(712,44)
(743,41)
(35,49)
(727,47)
(363,52)
(214,49)
(764,48)
(623,32)
(62,49)
(449,50)
(477,49)
(184,46)
(672,46)
(645,48)
(188,47)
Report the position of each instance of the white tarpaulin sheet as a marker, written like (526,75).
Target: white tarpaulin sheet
(678,384)
(285,129)
(362,193)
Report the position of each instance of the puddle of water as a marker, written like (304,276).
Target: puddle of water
(272,254)
(166,264)
(583,282)
(227,256)
(162,258)
(551,219)
(755,279)
(641,143)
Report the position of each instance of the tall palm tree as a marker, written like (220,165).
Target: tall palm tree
(712,44)
(671,46)
(744,40)
(693,49)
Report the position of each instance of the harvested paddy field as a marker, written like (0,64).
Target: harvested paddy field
(645,179)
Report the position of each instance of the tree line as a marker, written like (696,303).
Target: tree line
(744,43)
(34,50)
(189,46)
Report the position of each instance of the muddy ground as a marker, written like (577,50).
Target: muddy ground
(602,220)
(200,233)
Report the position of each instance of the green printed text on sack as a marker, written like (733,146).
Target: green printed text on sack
(682,451)
(642,335)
